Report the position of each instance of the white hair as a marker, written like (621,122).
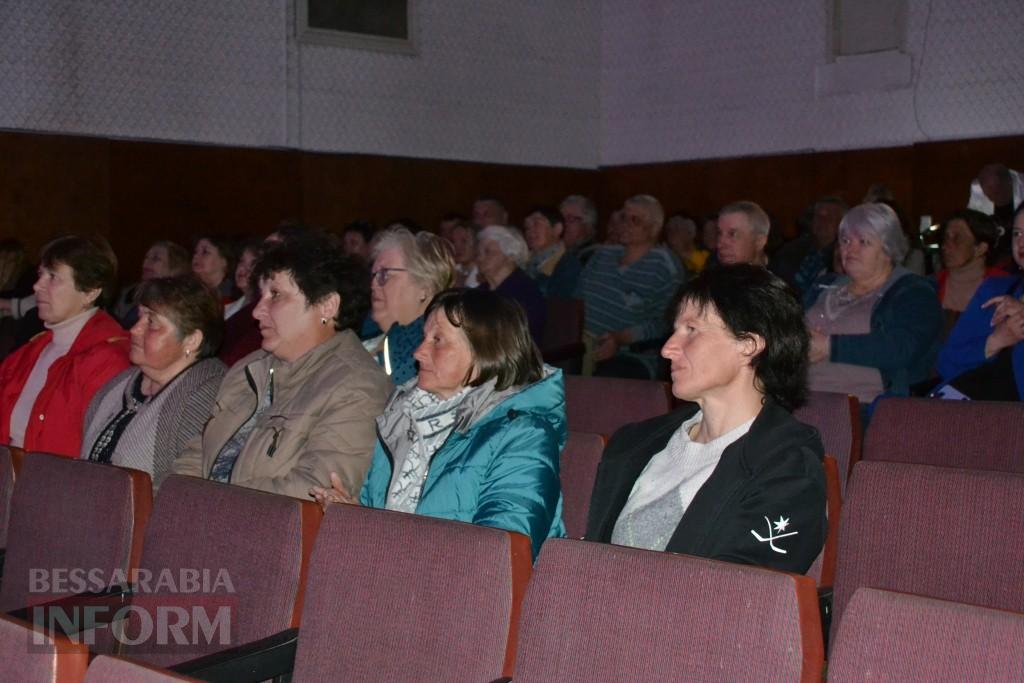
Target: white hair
(509,240)
(881,222)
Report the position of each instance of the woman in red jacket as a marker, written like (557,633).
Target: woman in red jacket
(46,385)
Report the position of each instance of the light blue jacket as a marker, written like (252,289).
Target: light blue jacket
(498,470)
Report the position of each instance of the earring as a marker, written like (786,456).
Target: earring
(188,352)
(423,298)
(323,321)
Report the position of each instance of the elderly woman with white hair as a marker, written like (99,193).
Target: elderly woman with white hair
(877,328)
(500,254)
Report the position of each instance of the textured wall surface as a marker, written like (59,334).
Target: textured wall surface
(509,82)
(719,78)
(573,83)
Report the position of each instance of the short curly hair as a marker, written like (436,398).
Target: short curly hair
(190,305)
(319,268)
(752,301)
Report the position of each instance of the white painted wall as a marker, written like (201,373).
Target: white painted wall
(720,78)
(573,83)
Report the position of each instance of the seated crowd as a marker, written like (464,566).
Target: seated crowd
(403,369)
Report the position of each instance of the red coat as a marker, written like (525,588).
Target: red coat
(55,426)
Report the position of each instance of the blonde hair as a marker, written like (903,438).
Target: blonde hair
(427,257)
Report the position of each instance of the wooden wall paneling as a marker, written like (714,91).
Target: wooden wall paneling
(174,191)
(52,185)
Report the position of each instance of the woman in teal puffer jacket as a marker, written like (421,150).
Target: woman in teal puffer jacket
(477,435)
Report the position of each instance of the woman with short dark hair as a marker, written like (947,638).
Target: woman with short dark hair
(731,474)
(304,405)
(145,416)
(214,258)
(969,240)
(476,436)
(46,385)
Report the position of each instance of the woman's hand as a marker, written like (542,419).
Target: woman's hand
(820,347)
(1007,333)
(336,494)
(1005,307)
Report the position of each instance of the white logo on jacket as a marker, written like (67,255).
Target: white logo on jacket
(775,534)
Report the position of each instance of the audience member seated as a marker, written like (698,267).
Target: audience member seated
(213,260)
(19,321)
(288,415)
(554,268)
(969,241)
(489,211)
(998,192)
(163,259)
(681,239)
(356,239)
(241,331)
(743,229)
(448,222)
(984,357)
(828,212)
(144,417)
(579,216)
(501,252)
(408,270)
(916,261)
(46,385)
(709,238)
(477,435)
(877,328)
(464,245)
(731,474)
(627,291)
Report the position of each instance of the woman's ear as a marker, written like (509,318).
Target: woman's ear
(329,306)
(92,295)
(980,249)
(192,342)
(752,345)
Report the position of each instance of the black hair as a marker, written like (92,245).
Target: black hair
(91,259)
(189,304)
(983,228)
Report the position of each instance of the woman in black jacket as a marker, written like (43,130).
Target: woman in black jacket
(730,475)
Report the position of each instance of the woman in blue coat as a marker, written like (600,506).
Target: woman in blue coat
(477,435)
(984,356)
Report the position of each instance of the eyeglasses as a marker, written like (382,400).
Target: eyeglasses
(382,276)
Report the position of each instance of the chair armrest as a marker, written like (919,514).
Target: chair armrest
(256,661)
(76,613)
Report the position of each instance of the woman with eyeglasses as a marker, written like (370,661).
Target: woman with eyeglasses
(408,270)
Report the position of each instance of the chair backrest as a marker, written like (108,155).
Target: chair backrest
(249,552)
(6,491)
(39,656)
(823,571)
(106,669)
(977,435)
(398,597)
(68,518)
(934,531)
(564,326)
(596,612)
(889,636)
(837,419)
(578,467)
(600,405)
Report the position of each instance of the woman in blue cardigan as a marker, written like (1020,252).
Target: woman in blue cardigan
(984,356)
(476,436)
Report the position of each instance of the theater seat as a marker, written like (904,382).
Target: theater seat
(69,517)
(600,405)
(6,491)
(837,419)
(823,571)
(29,655)
(888,636)
(939,532)
(596,612)
(578,468)
(977,435)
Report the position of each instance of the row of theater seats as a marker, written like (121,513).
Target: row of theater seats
(384,596)
(918,529)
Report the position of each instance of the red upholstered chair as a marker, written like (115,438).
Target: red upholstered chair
(563,331)
(259,541)
(28,654)
(6,491)
(940,532)
(977,435)
(399,598)
(596,612)
(837,419)
(823,571)
(600,405)
(71,516)
(107,669)
(579,462)
(889,636)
